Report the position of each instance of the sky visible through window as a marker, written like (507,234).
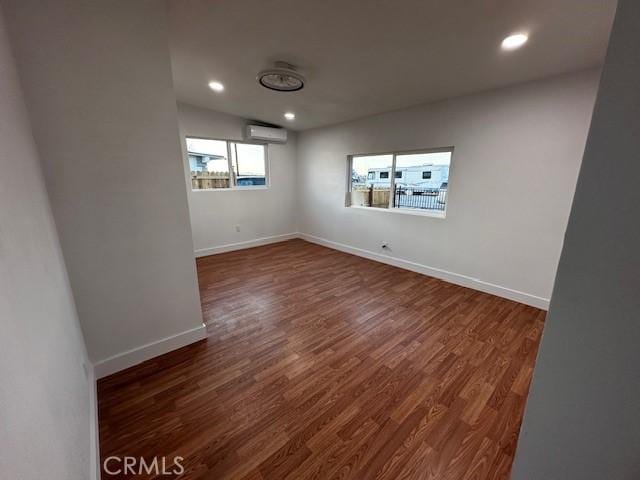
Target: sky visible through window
(207,147)
(249,161)
(362,164)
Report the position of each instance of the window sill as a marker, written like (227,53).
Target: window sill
(232,189)
(403,211)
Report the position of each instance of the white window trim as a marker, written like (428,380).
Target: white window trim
(419,212)
(233,187)
(390,208)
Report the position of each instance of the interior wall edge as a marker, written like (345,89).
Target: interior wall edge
(582,417)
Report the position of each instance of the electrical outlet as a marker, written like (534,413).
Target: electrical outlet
(385,246)
(237,228)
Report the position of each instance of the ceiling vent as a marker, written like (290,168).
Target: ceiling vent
(282,78)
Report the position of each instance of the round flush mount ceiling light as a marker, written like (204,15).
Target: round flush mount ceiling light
(290,116)
(512,42)
(216,86)
(282,78)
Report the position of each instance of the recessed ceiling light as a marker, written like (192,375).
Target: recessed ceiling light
(514,41)
(290,116)
(216,86)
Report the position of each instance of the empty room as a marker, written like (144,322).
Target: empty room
(298,239)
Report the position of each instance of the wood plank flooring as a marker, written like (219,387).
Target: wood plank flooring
(324,365)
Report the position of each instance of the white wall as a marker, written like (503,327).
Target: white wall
(261,214)
(97,81)
(44,393)
(582,419)
(516,160)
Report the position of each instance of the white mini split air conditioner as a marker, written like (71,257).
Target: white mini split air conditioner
(266,134)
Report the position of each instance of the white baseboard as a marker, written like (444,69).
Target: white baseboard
(445,275)
(94,437)
(458,279)
(204,252)
(150,350)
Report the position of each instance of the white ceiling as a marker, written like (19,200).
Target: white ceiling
(363,57)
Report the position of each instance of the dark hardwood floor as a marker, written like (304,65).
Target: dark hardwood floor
(325,365)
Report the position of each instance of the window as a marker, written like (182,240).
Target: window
(223,164)
(415,187)
(248,164)
(367,188)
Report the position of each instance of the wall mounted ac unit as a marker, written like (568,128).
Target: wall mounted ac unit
(257,133)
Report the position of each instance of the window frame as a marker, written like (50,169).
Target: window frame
(391,208)
(232,174)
